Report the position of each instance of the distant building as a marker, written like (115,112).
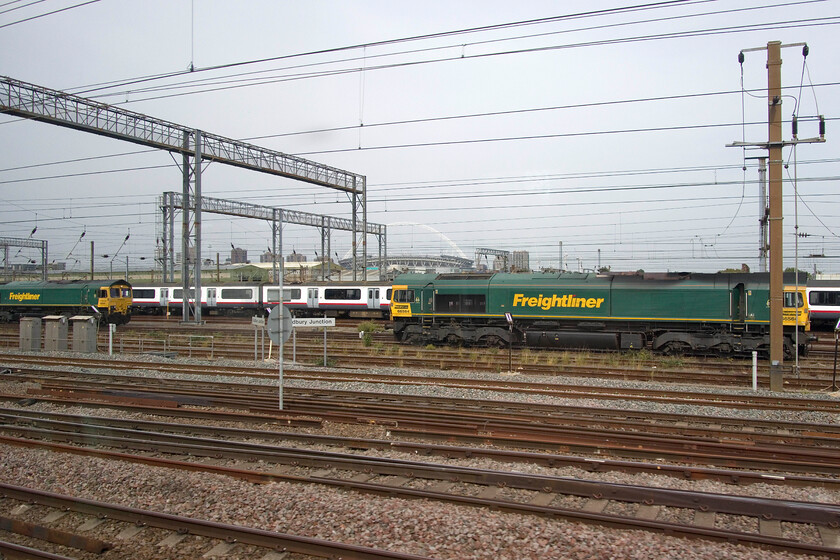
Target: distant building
(520,261)
(296,257)
(268,257)
(190,252)
(238,256)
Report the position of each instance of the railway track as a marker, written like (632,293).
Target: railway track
(499,422)
(616,505)
(147,534)
(509,385)
(235,340)
(350,353)
(537,436)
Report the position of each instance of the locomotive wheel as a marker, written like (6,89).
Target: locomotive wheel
(454,340)
(676,348)
(414,339)
(492,341)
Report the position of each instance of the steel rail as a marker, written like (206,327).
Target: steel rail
(223,394)
(211,529)
(16,551)
(784,510)
(608,520)
(641,373)
(415,421)
(824,461)
(550,389)
(425,449)
(791,433)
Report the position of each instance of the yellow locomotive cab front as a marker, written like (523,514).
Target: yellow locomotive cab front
(795,312)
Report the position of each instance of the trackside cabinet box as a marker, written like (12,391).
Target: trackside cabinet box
(84,334)
(55,333)
(30,334)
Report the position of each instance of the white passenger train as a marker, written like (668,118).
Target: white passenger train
(332,300)
(824,302)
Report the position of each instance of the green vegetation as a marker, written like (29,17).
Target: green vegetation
(367,329)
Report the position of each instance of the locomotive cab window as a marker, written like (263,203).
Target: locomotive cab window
(460,303)
(791,297)
(403,296)
(103,293)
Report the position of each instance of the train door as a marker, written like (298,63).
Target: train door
(738,304)
(427,298)
(312,298)
(373,298)
(211,297)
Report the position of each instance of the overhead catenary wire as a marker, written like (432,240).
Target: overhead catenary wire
(48,14)
(393,200)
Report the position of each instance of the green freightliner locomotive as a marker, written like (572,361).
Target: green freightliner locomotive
(109,300)
(674,313)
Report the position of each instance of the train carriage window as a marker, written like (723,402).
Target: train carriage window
(237,293)
(178,293)
(289,294)
(388,293)
(824,298)
(343,293)
(144,293)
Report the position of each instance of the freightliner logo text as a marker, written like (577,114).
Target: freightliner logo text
(548,302)
(23,296)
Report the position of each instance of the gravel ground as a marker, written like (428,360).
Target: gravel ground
(415,526)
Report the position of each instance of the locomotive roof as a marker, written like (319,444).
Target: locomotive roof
(30,285)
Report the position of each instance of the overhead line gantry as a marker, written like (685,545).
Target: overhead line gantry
(195,146)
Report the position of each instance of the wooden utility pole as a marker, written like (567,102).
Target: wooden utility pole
(775,163)
(774,147)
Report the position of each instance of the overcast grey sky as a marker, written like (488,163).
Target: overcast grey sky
(605,130)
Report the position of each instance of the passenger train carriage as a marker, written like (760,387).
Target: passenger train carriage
(243,299)
(671,312)
(824,302)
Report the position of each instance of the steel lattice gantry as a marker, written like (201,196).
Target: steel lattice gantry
(197,147)
(493,253)
(170,201)
(26,243)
